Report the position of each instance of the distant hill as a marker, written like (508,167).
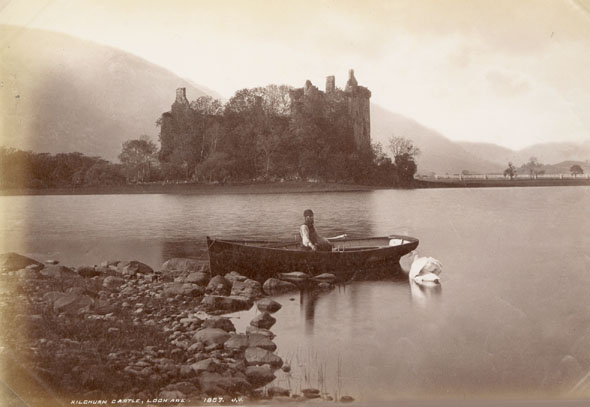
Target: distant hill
(438,153)
(564,167)
(546,153)
(63,94)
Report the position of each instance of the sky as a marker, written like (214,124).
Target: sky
(513,73)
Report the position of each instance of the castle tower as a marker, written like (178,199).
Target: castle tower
(359,111)
(330,84)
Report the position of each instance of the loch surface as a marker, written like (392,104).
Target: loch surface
(510,319)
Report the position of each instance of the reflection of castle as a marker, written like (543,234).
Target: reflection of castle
(356,98)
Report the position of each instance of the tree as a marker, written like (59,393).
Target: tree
(138,158)
(510,171)
(576,169)
(401,145)
(533,167)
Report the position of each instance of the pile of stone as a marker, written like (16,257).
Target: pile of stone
(203,354)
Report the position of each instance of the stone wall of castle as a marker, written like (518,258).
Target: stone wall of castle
(357,100)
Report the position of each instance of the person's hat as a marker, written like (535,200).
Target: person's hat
(308,212)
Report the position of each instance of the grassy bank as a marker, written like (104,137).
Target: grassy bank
(285,187)
(195,189)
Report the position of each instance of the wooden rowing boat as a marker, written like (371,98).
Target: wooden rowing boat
(261,259)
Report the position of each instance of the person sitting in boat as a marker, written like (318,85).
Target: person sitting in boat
(309,237)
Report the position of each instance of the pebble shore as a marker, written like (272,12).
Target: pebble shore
(123,331)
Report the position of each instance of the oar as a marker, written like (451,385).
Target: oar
(339,237)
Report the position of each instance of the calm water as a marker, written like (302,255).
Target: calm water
(513,303)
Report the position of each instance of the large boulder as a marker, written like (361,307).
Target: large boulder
(183,289)
(88,272)
(264,320)
(259,375)
(247,288)
(216,303)
(219,322)
(219,285)
(197,277)
(253,330)
(295,276)
(259,356)
(211,336)
(72,303)
(274,286)
(133,267)
(27,273)
(237,342)
(268,305)
(185,266)
(261,341)
(234,276)
(206,365)
(57,271)
(215,384)
(13,261)
(324,278)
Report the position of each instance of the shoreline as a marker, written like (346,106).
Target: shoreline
(285,187)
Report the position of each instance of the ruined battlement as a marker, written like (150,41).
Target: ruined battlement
(311,99)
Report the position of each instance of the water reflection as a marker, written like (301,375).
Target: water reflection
(424,295)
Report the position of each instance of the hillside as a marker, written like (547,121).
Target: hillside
(438,154)
(546,153)
(62,94)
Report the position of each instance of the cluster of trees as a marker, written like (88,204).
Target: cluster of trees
(534,168)
(25,169)
(257,135)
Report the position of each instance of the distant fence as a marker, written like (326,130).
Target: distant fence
(465,177)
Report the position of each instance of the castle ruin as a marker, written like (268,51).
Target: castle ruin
(357,99)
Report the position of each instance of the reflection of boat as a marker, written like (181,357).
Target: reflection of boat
(260,259)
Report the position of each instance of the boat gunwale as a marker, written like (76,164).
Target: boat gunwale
(244,243)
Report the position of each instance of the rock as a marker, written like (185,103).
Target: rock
(57,271)
(205,365)
(51,296)
(113,283)
(199,278)
(264,320)
(238,342)
(234,276)
(276,391)
(219,322)
(51,261)
(296,276)
(184,387)
(259,375)
(185,266)
(225,304)
(286,368)
(310,393)
(247,288)
(253,330)
(218,285)
(71,303)
(274,286)
(133,267)
(12,261)
(259,356)
(35,267)
(27,274)
(261,341)
(346,399)
(268,305)
(325,277)
(172,395)
(212,336)
(213,384)
(88,272)
(325,286)
(183,289)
